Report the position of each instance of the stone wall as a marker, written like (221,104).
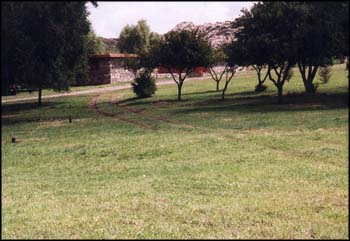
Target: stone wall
(108,71)
(118,72)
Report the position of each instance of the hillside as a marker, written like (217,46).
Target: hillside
(217,33)
(110,44)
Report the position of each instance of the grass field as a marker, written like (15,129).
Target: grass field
(199,168)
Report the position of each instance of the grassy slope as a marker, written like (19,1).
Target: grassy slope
(243,168)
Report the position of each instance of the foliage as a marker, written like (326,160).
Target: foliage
(91,45)
(267,30)
(134,38)
(144,85)
(252,46)
(180,52)
(43,42)
(319,37)
(139,40)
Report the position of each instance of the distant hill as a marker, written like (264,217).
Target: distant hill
(110,44)
(217,33)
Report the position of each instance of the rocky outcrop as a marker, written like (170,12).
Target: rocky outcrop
(217,34)
(110,45)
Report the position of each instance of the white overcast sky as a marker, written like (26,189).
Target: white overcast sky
(109,18)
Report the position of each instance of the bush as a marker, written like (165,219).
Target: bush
(260,88)
(144,85)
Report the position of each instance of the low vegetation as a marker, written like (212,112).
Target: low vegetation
(197,168)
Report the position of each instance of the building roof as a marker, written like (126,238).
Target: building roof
(113,55)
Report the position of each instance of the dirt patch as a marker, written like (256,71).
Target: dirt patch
(142,112)
(93,104)
(55,123)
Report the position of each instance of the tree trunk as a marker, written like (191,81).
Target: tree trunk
(308,78)
(179,86)
(39,96)
(280,94)
(309,86)
(217,86)
(224,91)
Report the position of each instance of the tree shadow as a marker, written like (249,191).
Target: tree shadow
(24,106)
(268,103)
(27,112)
(202,92)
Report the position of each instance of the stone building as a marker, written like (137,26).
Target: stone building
(109,68)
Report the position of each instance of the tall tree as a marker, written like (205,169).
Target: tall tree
(134,38)
(137,39)
(274,23)
(318,37)
(47,40)
(91,45)
(180,52)
(251,47)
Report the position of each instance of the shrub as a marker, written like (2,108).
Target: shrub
(260,88)
(144,85)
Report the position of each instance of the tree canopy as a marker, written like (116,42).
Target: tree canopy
(180,52)
(43,43)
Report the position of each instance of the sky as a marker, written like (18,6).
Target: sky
(109,18)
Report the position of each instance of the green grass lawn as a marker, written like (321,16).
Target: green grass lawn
(199,168)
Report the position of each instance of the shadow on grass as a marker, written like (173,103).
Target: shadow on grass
(27,112)
(24,106)
(268,103)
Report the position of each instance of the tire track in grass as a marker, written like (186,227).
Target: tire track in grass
(93,105)
(142,112)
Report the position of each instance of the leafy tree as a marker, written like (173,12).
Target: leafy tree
(252,47)
(94,44)
(180,52)
(91,45)
(137,39)
(46,42)
(134,38)
(318,37)
(217,58)
(271,27)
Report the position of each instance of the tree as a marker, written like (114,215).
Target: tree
(273,25)
(317,37)
(137,39)
(180,52)
(47,49)
(232,61)
(91,45)
(279,24)
(217,58)
(134,38)
(251,47)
